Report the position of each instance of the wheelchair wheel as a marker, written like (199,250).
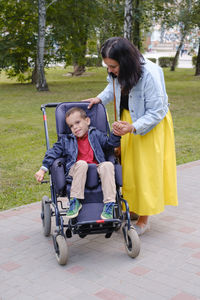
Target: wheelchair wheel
(46,216)
(132,243)
(62,250)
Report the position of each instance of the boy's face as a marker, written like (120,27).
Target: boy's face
(78,125)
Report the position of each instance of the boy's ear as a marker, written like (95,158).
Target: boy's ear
(88,121)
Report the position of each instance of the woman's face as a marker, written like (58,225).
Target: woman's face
(112,65)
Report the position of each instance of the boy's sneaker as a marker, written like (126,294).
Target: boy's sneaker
(74,207)
(108,211)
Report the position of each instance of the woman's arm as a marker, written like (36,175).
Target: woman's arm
(92,101)
(105,96)
(155,105)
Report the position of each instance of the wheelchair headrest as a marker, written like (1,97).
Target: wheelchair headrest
(97,115)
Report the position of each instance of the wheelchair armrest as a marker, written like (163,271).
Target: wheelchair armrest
(118,174)
(118,168)
(57,171)
(111,157)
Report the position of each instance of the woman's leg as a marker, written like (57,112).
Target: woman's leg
(142,221)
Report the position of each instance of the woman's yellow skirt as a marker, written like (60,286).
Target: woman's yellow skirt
(149,168)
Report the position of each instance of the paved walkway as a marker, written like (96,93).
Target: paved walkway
(167,268)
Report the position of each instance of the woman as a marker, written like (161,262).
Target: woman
(147,144)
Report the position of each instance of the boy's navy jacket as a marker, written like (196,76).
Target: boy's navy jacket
(67,147)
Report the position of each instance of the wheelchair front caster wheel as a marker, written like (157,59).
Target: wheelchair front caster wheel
(132,243)
(61,249)
(46,216)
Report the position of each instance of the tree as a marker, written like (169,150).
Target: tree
(71,23)
(18,37)
(128,19)
(110,19)
(41,80)
(137,17)
(145,13)
(196,21)
(183,19)
(197,71)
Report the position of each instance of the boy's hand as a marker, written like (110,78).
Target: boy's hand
(39,175)
(122,127)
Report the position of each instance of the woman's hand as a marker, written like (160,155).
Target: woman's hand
(92,101)
(39,175)
(122,127)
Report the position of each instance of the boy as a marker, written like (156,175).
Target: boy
(83,146)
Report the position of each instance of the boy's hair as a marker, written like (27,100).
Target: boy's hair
(73,110)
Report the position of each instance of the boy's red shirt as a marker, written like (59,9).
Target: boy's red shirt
(85,151)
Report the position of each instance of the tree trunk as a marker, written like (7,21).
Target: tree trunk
(41,81)
(136,35)
(128,19)
(78,70)
(176,57)
(79,60)
(34,74)
(197,72)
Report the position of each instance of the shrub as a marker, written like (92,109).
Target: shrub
(165,61)
(93,61)
(21,77)
(194,60)
(152,59)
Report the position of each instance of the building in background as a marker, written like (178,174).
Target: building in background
(167,40)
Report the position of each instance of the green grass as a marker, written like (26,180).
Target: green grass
(22,141)
(184,89)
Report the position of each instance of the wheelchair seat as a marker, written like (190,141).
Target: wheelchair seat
(98,117)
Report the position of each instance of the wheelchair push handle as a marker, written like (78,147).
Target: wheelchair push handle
(43,109)
(49,105)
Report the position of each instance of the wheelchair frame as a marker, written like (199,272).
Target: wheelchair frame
(50,208)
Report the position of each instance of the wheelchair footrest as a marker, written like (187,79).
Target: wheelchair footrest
(97,226)
(90,212)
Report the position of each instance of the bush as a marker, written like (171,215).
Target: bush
(21,77)
(93,61)
(165,61)
(152,59)
(194,60)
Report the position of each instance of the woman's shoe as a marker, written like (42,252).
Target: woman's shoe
(141,229)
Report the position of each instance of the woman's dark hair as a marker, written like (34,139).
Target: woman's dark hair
(129,58)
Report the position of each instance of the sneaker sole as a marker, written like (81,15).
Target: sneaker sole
(106,218)
(75,215)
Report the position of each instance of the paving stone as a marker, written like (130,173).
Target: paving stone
(167,268)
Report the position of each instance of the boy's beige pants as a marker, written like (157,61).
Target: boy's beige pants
(107,176)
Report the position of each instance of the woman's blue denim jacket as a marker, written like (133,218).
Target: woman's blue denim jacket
(148,101)
(67,147)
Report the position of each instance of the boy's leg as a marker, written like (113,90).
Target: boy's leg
(107,176)
(79,174)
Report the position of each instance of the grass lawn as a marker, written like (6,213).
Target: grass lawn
(22,142)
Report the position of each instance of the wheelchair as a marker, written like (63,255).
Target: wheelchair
(88,220)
